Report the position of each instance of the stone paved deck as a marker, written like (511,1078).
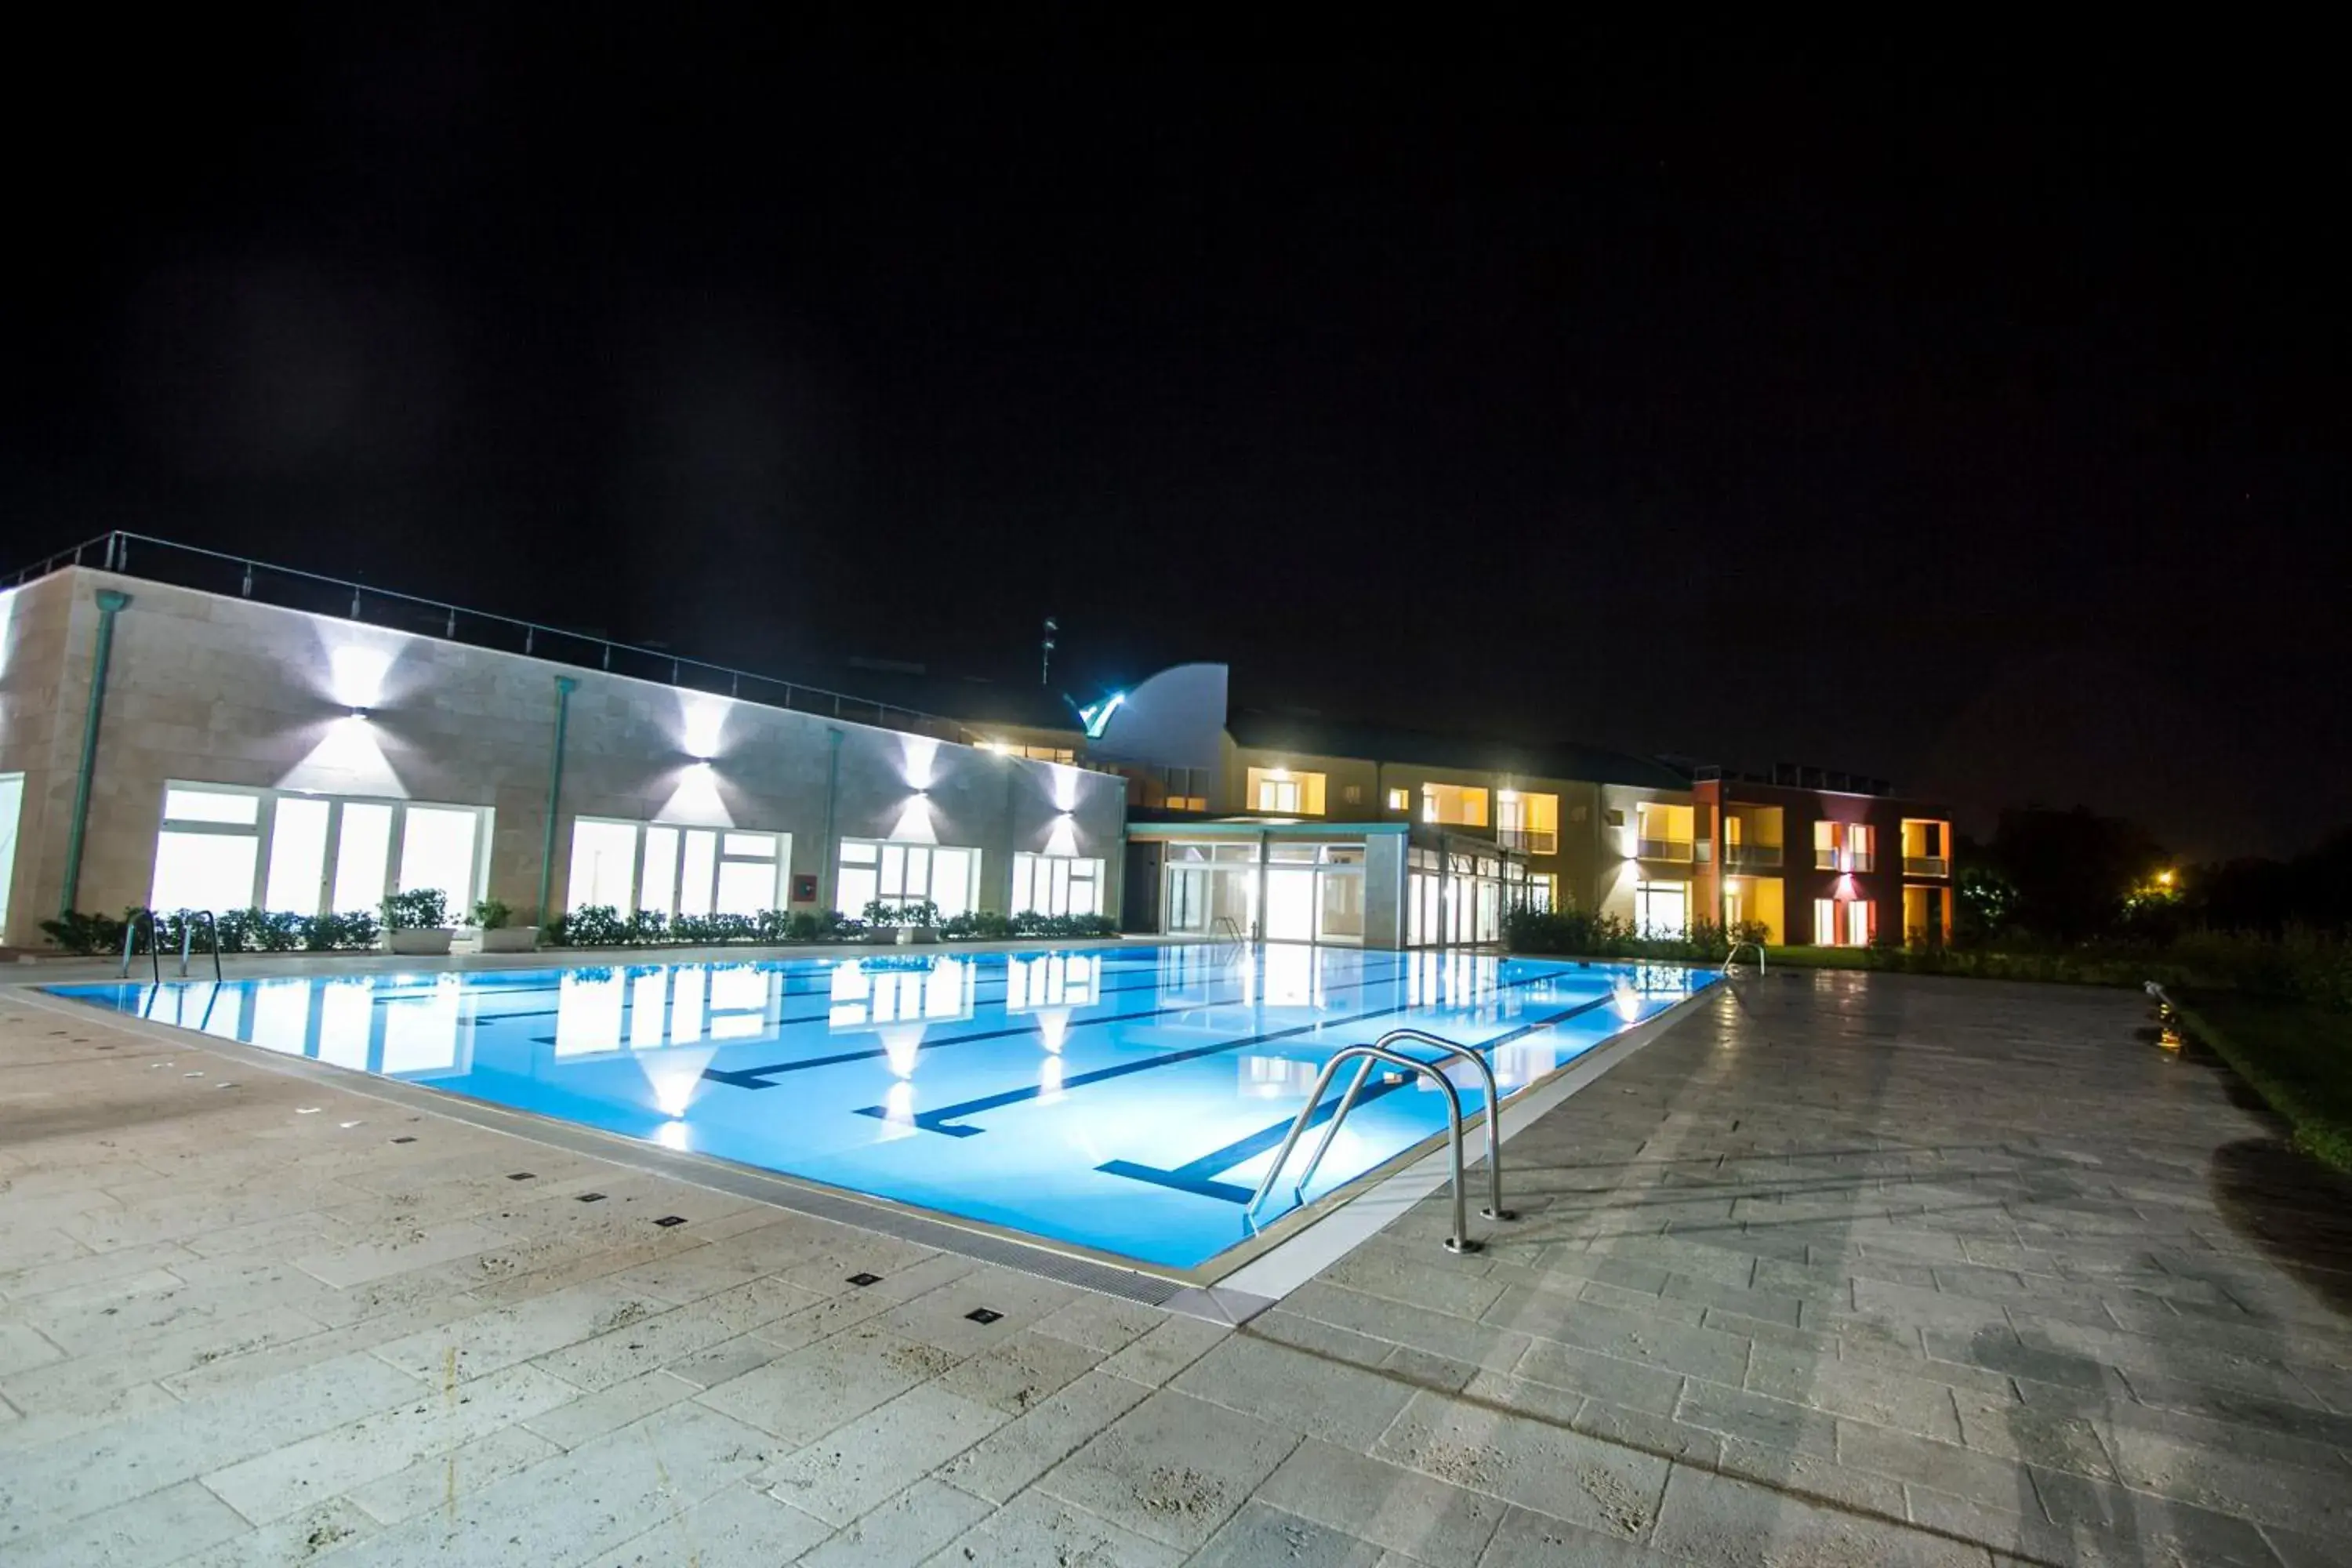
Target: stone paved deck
(1842,1270)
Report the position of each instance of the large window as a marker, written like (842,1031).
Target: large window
(228,848)
(1461,805)
(1281,790)
(1662,831)
(672,871)
(1843,922)
(1843,847)
(903,874)
(1056,885)
(1662,909)
(1528,822)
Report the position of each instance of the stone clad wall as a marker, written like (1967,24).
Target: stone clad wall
(205,688)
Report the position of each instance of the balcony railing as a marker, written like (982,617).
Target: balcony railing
(1844,859)
(1927,866)
(1663,848)
(1751,857)
(1862,860)
(1533,840)
(1828,860)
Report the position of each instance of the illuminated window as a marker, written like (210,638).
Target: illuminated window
(1662,909)
(1528,822)
(1825,922)
(1543,889)
(1281,790)
(902,874)
(220,848)
(1458,804)
(1056,885)
(1188,803)
(1400,800)
(1662,831)
(672,871)
(1353,795)
(1857,922)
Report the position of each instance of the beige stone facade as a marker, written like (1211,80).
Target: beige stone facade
(209,689)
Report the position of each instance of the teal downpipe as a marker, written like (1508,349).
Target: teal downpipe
(825,851)
(110,603)
(564,687)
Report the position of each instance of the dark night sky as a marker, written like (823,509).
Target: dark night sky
(1989,436)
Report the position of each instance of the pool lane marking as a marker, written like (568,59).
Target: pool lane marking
(759,1077)
(488,992)
(628,1008)
(936,1120)
(1196,1176)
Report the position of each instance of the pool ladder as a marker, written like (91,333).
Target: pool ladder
(188,918)
(1733,956)
(1384,1050)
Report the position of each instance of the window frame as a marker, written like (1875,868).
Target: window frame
(263,829)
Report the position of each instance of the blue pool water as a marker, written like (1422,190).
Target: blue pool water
(1126,1099)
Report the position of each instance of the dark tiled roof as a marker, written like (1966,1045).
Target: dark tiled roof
(1375,742)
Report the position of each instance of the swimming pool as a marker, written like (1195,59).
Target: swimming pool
(1125,1100)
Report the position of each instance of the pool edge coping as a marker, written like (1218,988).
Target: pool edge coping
(1231,1289)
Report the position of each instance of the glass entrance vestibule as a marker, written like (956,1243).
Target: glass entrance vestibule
(1381,885)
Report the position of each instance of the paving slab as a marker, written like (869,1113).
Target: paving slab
(1842,1269)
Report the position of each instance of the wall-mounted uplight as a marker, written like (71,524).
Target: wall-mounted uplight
(361,714)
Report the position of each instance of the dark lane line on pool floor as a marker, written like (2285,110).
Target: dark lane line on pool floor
(936,1120)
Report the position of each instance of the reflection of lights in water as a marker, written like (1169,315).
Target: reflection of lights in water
(1049,1080)
(1052,1025)
(2170,1039)
(1277,1078)
(1627,999)
(674,1076)
(675,1135)
(898,1112)
(903,1044)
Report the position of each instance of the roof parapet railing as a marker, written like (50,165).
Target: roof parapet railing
(112,552)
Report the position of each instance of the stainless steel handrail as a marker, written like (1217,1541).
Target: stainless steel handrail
(131,944)
(1460,1240)
(188,918)
(1733,956)
(1494,1209)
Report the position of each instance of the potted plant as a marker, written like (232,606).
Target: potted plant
(882,923)
(494,932)
(412,921)
(918,922)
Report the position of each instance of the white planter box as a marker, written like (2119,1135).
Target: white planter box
(507,938)
(430,940)
(911,936)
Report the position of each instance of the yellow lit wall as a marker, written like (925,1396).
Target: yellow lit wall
(1757,899)
(1456,803)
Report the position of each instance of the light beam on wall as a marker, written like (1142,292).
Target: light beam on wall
(348,759)
(914,826)
(695,800)
(356,672)
(702,720)
(1064,839)
(922,754)
(1066,788)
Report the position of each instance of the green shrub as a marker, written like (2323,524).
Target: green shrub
(597,925)
(418,909)
(85,935)
(492,914)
